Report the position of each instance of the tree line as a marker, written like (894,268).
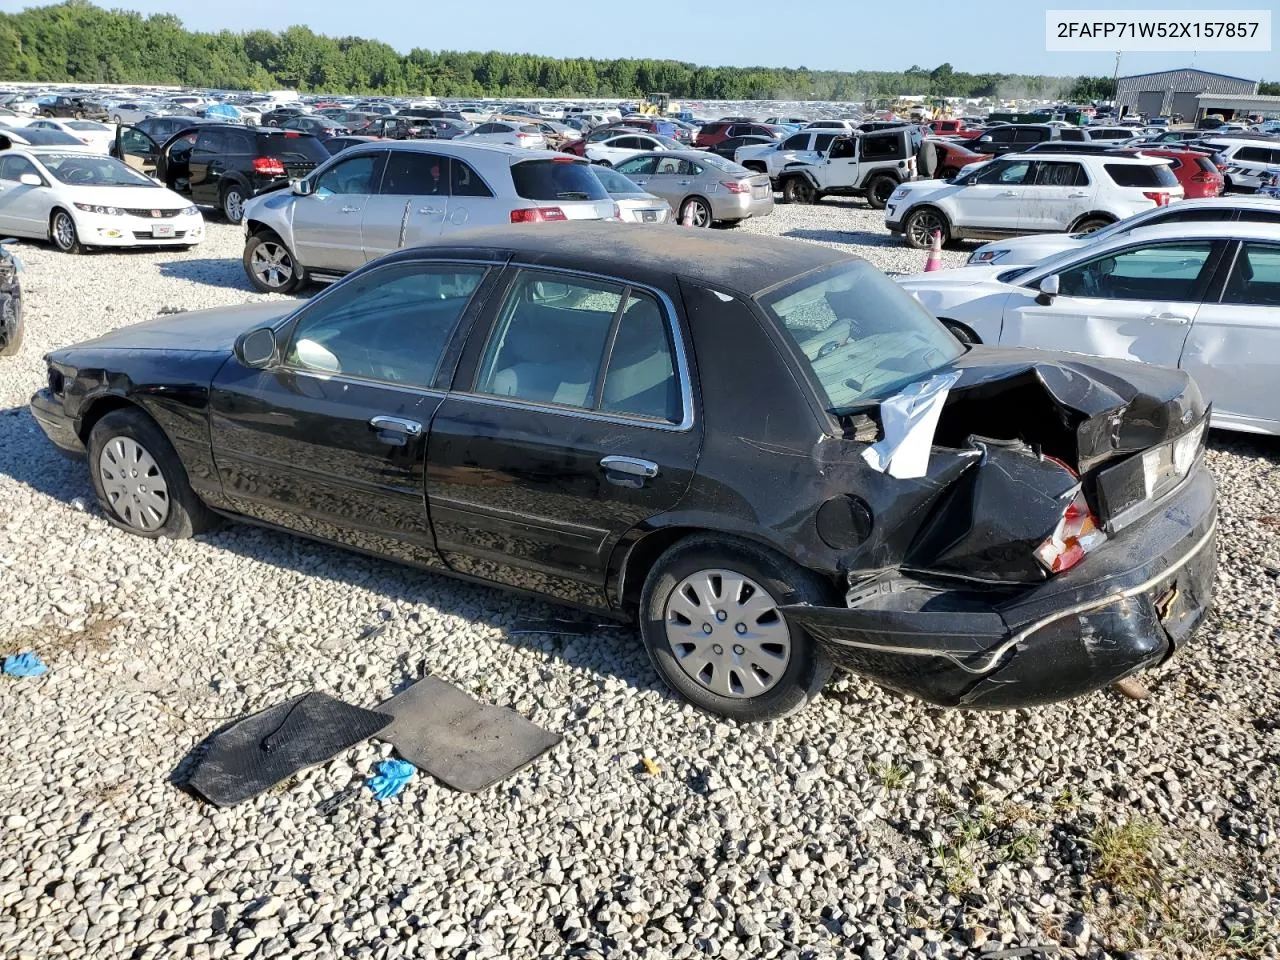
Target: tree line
(78,42)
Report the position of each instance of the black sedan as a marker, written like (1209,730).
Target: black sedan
(763,451)
(729,147)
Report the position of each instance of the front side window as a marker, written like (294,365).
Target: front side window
(799,141)
(1014,172)
(1255,276)
(861,336)
(639,166)
(354,176)
(391,324)
(822,141)
(1168,271)
(13,167)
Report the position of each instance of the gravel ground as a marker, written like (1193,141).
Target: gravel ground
(867,826)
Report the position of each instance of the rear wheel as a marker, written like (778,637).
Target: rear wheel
(710,620)
(921,225)
(879,190)
(233,202)
(698,210)
(798,190)
(269,265)
(139,480)
(604,163)
(1092,224)
(960,331)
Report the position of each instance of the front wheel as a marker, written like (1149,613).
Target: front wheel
(233,203)
(63,230)
(921,225)
(710,620)
(798,190)
(269,264)
(139,480)
(879,190)
(603,163)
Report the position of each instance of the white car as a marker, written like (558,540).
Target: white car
(1246,161)
(848,126)
(81,200)
(9,118)
(1031,193)
(509,132)
(1101,134)
(611,152)
(807,145)
(1025,251)
(97,136)
(1201,297)
(131,111)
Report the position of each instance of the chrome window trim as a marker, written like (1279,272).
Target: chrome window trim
(683,376)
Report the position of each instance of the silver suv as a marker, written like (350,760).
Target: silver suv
(378,197)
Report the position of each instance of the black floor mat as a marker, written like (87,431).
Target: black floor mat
(467,744)
(256,753)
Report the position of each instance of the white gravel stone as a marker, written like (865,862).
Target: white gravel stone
(777,840)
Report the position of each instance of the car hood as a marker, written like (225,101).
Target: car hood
(955,277)
(198,331)
(927,188)
(135,198)
(1026,251)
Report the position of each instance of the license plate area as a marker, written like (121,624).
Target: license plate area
(162,229)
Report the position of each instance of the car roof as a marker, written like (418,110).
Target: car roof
(1118,156)
(741,263)
(462,149)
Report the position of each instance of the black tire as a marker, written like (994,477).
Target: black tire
(920,225)
(701,210)
(807,669)
(63,233)
(756,167)
(960,332)
(798,190)
(879,190)
(259,253)
(231,202)
(185,516)
(603,163)
(1091,224)
(79,114)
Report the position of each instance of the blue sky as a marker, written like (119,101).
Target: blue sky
(820,34)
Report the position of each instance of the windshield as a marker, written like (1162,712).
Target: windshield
(616,183)
(723,165)
(671,144)
(862,335)
(87,170)
(38,137)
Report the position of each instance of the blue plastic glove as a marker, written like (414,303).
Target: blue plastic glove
(390,779)
(25,664)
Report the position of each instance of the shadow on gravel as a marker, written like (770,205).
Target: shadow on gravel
(861,237)
(222,273)
(603,648)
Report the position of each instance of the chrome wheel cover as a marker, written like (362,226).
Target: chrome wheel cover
(271,264)
(923,226)
(64,231)
(133,484)
(233,205)
(726,634)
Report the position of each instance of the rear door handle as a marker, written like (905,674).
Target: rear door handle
(628,471)
(684,183)
(429,210)
(410,428)
(350,209)
(1009,193)
(1169,318)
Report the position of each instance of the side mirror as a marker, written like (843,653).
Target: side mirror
(1048,290)
(301,187)
(31,180)
(257,348)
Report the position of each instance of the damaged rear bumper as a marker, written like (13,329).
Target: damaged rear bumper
(1129,606)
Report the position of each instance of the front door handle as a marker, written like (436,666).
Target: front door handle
(1009,193)
(429,210)
(684,183)
(1076,196)
(1169,318)
(410,428)
(628,471)
(350,209)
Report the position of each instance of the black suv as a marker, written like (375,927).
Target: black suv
(273,118)
(222,164)
(81,108)
(1015,137)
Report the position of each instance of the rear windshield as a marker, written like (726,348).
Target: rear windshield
(723,165)
(1140,175)
(862,336)
(289,144)
(530,128)
(556,180)
(46,138)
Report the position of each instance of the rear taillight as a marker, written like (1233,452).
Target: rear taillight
(268,166)
(736,186)
(1160,197)
(1076,534)
(1204,178)
(617,212)
(539,215)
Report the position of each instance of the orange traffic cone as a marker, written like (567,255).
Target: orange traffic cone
(935,253)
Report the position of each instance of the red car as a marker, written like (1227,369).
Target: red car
(712,133)
(951,157)
(1196,172)
(953,128)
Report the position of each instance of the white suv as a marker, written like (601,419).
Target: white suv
(1031,193)
(380,196)
(770,158)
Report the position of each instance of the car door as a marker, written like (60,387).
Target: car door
(999,140)
(570,422)
(992,197)
(206,165)
(472,202)
(411,205)
(1233,349)
(331,440)
(328,223)
(842,163)
(24,209)
(642,172)
(1132,303)
(670,179)
(1056,192)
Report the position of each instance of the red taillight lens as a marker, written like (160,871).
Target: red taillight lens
(1076,534)
(617,212)
(537,215)
(268,166)
(736,186)
(1204,178)
(1158,196)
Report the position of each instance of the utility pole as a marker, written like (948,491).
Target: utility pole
(1115,79)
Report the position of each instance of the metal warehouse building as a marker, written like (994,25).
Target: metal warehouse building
(1175,91)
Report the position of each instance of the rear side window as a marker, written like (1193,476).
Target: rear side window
(1140,175)
(1260,216)
(289,145)
(1253,154)
(1205,164)
(1255,276)
(466,182)
(1030,135)
(1060,174)
(1189,216)
(211,141)
(881,148)
(410,173)
(823,140)
(799,141)
(1075,135)
(556,180)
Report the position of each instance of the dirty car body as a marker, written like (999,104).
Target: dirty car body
(1059,537)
